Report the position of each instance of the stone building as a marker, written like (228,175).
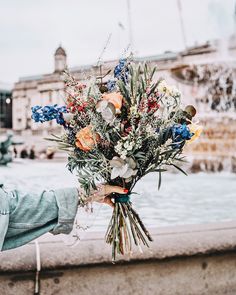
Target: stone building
(49,88)
(41,90)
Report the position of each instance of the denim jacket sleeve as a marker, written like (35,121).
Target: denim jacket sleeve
(24,217)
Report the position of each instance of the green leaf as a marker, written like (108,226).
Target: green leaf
(124,91)
(159,180)
(152,73)
(180,169)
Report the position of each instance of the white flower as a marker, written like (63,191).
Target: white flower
(150,130)
(124,146)
(118,147)
(107,110)
(68,117)
(128,145)
(162,87)
(123,168)
(174,91)
(133,110)
(123,154)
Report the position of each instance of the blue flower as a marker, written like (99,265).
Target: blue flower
(35,108)
(36,117)
(181,132)
(121,71)
(111,84)
(48,113)
(60,120)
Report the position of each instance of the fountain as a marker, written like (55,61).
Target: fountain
(5,144)
(5,155)
(212,86)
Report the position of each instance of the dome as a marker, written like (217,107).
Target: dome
(60,51)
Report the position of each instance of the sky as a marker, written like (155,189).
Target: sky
(31,30)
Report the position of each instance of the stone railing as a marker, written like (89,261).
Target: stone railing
(186,260)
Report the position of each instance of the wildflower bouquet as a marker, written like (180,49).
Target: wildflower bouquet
(117,131)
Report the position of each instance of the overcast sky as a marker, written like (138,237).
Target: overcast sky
(31,30)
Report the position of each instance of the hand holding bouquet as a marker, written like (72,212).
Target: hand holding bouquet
(117,131)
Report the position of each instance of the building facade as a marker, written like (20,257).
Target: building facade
(50,88)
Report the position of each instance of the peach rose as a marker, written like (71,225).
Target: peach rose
(115,98)
(86,139)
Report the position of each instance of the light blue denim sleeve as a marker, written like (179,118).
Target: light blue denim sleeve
(4,216)
(24,217)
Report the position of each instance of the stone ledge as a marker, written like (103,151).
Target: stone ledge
(169,242)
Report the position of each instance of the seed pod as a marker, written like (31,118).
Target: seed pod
(103,88)
(190,110)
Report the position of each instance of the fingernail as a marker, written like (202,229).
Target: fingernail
(126,190)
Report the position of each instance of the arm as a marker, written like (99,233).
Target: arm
(31,215)
(28,216)
(4,216)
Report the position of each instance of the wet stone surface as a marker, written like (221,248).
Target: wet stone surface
(198,198)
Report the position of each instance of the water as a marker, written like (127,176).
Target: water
(197,198)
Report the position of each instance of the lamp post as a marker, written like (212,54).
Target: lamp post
(130,26)
(182,23)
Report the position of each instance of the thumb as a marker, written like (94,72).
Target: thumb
(108,201)
(116,189)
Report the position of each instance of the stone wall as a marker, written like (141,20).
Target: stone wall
(215,150)
(186,260)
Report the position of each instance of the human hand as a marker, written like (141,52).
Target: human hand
(103,192)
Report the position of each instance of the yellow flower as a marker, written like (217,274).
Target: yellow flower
(197,130)
(162,87)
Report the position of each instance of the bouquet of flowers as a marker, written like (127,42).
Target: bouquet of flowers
(118,130)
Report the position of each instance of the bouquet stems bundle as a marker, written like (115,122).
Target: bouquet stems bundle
(126,228)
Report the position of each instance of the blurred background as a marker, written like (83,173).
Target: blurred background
(193,45)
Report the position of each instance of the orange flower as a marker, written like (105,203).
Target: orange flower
(86,139)
(115,98)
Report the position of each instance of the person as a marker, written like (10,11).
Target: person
(32,153)
(50,152)
(24,217)
(15,151)
(24,153)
